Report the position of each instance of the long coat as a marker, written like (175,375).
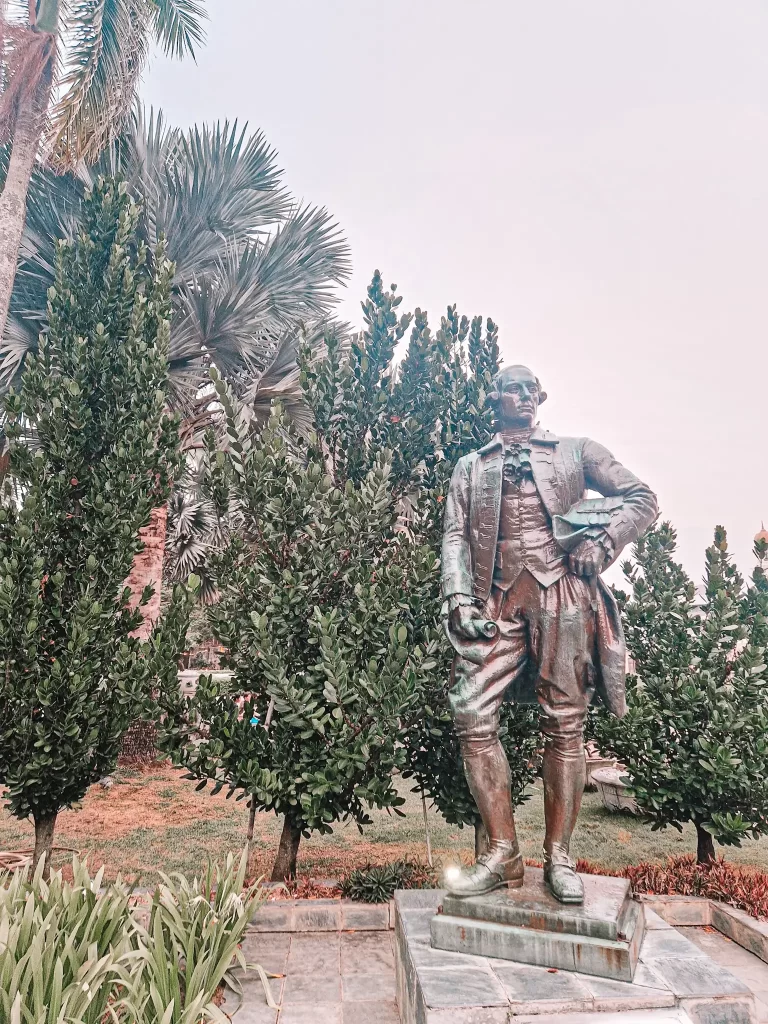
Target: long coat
(564,468)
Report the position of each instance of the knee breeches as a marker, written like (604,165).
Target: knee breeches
(544,652)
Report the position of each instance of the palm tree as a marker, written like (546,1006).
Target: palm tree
(69,70)
(254,269)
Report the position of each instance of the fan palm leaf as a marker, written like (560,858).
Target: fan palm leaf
(249,263)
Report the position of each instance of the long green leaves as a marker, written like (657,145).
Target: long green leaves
(72,951)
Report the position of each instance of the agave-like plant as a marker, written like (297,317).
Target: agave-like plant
(76,951)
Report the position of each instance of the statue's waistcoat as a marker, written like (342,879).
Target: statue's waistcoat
(525,539)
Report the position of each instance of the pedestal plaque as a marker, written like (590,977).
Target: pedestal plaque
(601,936)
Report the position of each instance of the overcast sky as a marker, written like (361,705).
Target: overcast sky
(592,174)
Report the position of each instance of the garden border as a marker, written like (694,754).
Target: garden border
(737,925)
(337,914)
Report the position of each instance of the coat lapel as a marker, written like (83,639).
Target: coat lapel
(487,500)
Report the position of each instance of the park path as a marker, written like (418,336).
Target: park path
(349,977)
(330,978)
(745,965)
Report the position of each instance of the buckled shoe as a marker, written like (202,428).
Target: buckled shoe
(501,865)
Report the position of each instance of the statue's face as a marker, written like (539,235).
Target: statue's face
(519,395)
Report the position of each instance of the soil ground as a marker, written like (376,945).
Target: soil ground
(154,820)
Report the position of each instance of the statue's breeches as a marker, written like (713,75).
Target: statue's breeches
(544,651)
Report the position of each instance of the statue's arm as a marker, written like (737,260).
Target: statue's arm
(456,560)
(606,475)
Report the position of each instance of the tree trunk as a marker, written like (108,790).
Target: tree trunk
(44,827)
(705,846)
(481,838)
(140,742)
(147,569)
(284,868)
(27,133)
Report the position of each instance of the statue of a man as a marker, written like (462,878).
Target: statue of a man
(529,617)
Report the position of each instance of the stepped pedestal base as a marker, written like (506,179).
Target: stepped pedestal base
(674,981)
(600,936)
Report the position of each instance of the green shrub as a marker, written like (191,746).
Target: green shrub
(72,951)
(376,883)
(694,737)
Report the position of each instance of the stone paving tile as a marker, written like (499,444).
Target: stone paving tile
(662,943)
(314,954)
(370,1013)
(268,949)
(310,1013)
(366,952)
(722,949)
(357,988)
(311,988)
(539,990)
(691,977)
(761,1006)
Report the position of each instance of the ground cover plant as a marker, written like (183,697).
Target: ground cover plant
(695,738)
(92,452)
(376,883)
(73,950)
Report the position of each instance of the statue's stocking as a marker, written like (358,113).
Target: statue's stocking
(564,773)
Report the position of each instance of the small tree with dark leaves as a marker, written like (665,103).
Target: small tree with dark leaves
(91,453)
(316,596)
(428,411)
(695,738)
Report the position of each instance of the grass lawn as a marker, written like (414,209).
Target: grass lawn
(154,821)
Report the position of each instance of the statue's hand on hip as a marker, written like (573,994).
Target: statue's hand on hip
(588,558)
(468,622)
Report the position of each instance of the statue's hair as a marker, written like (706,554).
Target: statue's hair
(494,395)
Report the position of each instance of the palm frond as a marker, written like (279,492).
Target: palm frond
(223,186)
(107,47)
(303,259)
(178,26)
(27,58)
(281,379)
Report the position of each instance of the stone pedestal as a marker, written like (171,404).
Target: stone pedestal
(674,981)
(601,936)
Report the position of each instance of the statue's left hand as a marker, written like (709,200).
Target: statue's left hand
(588,558)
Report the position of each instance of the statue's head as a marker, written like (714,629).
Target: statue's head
(516,397)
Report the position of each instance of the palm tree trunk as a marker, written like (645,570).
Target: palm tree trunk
(44,827)
(147,569)
(140,742)
(284,867)
(29,123)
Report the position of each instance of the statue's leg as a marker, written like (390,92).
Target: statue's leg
(565,686)
(476,695)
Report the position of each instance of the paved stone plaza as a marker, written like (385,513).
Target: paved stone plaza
(345,977)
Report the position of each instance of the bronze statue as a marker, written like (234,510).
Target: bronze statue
(529,617)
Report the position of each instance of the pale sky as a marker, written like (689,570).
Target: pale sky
(593,174)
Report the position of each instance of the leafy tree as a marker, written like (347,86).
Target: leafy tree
(70,72)
(695,738)
(92,452)
(316,604)
(428,411)
(372,420)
